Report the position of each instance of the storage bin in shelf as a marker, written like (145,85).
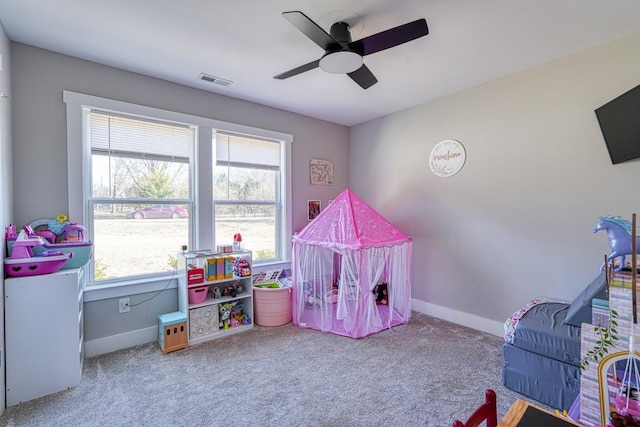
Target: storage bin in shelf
(203,321)
(198,294)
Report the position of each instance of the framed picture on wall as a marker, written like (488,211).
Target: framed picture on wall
(321,172)
(313,209)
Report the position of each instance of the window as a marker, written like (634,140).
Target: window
(140,197)
(147,181)
(246,192)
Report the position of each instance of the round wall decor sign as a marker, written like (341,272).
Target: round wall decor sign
(447,158)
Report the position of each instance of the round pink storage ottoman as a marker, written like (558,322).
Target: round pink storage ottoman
(272,306)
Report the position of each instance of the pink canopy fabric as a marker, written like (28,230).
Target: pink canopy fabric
(338,260)
(348,221)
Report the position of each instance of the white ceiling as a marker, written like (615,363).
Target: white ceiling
(470,42)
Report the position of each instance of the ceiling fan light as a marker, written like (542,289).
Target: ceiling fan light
(341,62)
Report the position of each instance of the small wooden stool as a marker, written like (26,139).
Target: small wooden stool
(172,331)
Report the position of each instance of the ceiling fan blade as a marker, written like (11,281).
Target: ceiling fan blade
(363,76)
(298,70)
(391,37)
(310,29)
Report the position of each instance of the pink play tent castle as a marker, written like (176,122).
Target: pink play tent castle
(351,271)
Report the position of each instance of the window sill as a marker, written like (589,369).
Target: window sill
(131,287)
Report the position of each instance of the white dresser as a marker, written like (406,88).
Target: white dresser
(44,334)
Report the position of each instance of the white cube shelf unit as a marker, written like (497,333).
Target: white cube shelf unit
(215,292)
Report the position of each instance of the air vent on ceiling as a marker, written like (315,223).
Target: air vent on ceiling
(213,79)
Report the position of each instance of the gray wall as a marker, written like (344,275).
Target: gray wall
(6,182)
(517,221)
(40,171)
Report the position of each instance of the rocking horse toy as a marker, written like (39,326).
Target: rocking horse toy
(619,232)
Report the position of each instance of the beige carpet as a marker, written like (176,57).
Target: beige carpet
(425,373)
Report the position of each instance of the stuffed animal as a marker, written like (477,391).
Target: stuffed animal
(380,291)
(225,315)
(312,295)
(236,317)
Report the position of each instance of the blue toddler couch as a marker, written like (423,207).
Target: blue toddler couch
(541,354)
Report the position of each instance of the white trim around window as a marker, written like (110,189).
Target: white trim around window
(76,103)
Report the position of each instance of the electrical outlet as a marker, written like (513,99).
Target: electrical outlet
(123,305)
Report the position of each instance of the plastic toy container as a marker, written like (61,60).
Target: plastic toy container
(272,306)
(198,294)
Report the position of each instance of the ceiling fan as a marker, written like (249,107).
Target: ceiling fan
(343,56)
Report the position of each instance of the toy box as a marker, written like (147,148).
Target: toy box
(172,331)
(195,276)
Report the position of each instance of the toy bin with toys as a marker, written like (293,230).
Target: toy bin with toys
(272,298)
(57,235)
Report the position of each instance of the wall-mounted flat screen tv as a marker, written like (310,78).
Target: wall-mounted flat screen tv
(620,125)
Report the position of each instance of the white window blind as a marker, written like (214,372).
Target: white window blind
(132,136)
(240,151)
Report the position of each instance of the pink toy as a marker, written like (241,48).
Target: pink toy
(73,232)
(23,262)
(56,237)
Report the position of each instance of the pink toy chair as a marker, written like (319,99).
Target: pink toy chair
(488,412)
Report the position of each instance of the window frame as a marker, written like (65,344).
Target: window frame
(79,175)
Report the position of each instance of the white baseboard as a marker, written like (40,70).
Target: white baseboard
(118,342)
(459,317)
(142,336)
